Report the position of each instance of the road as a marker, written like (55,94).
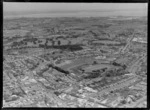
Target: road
(128,44)
(135,66)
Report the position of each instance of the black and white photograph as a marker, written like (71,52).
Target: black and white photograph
(75,55)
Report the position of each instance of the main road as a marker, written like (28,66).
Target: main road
(128,44)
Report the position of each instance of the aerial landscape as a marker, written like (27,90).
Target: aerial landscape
(75,62)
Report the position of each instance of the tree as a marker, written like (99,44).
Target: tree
(95,62)
(82,70)
(108,75)
(59,43)
(124,66)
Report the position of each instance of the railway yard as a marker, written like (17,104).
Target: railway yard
(75,62)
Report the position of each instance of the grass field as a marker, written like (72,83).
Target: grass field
(78,62)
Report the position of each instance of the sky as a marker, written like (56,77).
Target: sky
(72,6)
(67,9)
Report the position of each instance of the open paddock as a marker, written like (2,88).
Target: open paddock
(77,62)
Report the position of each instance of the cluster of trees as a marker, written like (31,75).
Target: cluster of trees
(17,44)
(118,64)
(23,44)
(100,83)
(109,73)
(95,73)
(115,72)
(59,69)
(92,75)
(75,47)
(100,70)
